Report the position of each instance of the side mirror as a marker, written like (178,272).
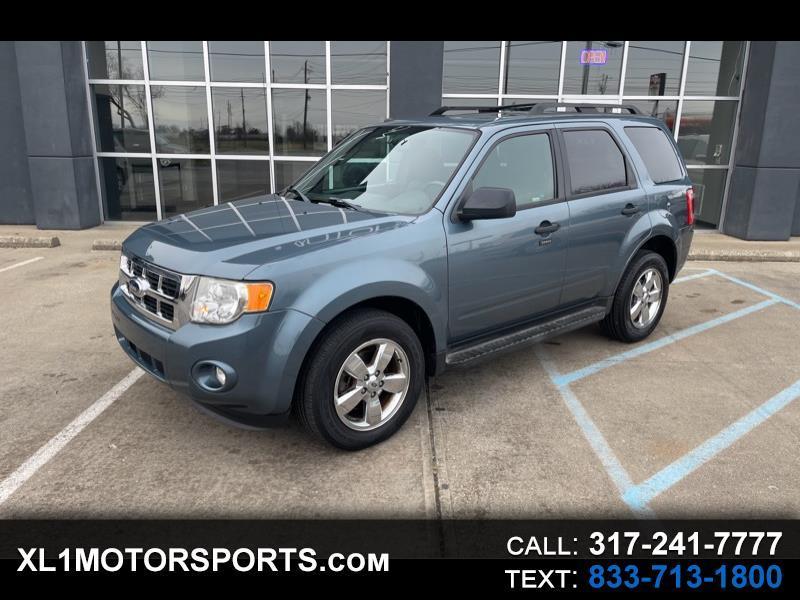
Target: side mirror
(489,203)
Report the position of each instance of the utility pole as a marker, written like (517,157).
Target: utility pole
(244,118)
(305,103)
(585,83)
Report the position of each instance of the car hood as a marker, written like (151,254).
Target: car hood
(232,239)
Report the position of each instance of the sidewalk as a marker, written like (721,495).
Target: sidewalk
(707,245)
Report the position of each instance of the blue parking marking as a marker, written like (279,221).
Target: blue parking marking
(563,380)
(638,496)
(641,494)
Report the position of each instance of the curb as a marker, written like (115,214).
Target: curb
(15,241)
(745,256)
(106,245)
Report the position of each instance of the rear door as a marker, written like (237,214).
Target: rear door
(608,209)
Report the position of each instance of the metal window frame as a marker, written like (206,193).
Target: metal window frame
(208,83)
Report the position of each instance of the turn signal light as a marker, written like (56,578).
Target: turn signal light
(259,296)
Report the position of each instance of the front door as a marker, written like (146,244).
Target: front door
(506,271)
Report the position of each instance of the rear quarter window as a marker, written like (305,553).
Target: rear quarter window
(596,164)
(657,152)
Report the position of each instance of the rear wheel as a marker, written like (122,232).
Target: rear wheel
(640,298)
(363,379)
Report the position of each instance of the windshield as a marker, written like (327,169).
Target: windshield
(395,169)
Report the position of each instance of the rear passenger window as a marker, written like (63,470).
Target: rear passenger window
(596,163)
(657,153)
(524,164)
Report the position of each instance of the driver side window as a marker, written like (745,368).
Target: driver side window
(522,163)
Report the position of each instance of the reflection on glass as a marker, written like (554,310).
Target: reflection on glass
(666,110)
(597,78)
(185,185)
(237,61)
(354,109)
(709,185)
(237,179)
(176,61)
(532,67)
(654,68)
(129,189)
(297,62)
(300,123)
(240,120)
(287,172)
(121,123)
(115,60)
(358,63)
(707,131)
(714,69)
(181,119)
(471,67)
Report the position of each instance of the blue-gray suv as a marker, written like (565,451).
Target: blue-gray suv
(414,245)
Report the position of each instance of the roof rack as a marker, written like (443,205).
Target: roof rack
(538,108)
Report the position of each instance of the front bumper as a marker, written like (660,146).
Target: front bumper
(266,350)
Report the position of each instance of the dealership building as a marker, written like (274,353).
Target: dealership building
(140,130)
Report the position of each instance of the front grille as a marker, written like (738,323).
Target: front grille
(147,361)
(161,291)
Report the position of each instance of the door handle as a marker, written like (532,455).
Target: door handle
(630,209)
(546,227)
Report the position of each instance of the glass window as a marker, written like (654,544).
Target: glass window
(181,119)
(595,161)
(185,185)
(532,67)
(593,68)
(120,113)
(707,131)
(297,62)
(115,60)
(300,122)
(129,189)
(654,68)
(237,61)
(240,120)
(358,63)
(471,67)
(657,153)
(354,109)
(709,186)
(666,110)
(237,179)
(714,69)
(472,102)
(287,172)
(398,169)
(524,164)
(176,61)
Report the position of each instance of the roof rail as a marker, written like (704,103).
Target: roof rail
(483,109)
(543,107)
(538,108)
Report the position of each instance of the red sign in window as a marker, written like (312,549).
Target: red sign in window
(594,57)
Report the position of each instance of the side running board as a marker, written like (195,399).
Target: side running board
(528,335)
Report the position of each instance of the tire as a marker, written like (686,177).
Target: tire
(622,322)
(327,379)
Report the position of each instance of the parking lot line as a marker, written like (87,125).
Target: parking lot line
(39,458)
(21,264)
(705,273)
(562,380)
(668,476)
(755,288)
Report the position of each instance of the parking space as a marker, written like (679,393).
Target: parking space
(700,419)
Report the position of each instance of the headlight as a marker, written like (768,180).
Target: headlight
(217,301)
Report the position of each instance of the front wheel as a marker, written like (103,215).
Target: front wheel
(640,298)
(362,380)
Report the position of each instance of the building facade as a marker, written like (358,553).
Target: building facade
(141,130)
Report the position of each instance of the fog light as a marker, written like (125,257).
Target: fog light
(221,377)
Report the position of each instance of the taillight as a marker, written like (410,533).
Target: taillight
(690,206)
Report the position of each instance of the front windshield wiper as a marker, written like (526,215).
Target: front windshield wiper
(339,203)
(297,193)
